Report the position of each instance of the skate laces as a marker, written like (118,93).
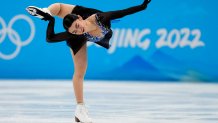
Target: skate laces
(46,11)
(83,110)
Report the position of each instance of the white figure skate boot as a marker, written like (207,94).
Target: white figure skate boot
(81,114)
(42,13)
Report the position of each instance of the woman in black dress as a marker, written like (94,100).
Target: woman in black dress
(81,24)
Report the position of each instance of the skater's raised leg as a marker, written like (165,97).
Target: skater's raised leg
(56,9)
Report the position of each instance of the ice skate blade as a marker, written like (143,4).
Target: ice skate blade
(78,121)
(35,11)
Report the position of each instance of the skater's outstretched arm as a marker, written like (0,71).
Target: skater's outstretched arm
(121,13)
(52,37)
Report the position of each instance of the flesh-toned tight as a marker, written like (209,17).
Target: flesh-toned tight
(80,59)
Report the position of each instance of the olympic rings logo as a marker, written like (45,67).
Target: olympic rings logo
(14,36)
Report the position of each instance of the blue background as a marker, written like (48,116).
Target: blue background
(41,60)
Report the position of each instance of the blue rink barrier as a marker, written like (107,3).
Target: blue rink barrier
(170,41)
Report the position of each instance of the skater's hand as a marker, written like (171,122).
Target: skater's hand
(145,3)
(48,17)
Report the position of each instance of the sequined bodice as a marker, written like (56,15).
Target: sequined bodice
(104,31)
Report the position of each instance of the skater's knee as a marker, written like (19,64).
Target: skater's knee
(78,76)
(55,8)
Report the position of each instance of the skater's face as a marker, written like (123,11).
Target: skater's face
(77,27)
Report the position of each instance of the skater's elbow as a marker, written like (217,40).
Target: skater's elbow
(49,39)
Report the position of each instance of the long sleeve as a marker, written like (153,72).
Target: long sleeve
(51,37)
(107,16)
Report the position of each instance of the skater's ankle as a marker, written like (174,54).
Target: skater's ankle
(47,10)
(80,103)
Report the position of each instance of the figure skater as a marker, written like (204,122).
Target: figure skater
(81,24)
